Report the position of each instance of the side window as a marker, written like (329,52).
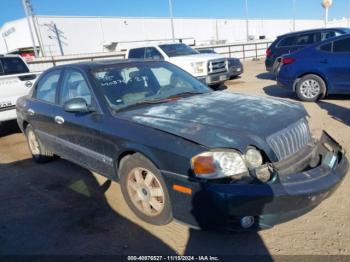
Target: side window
(153,53)
(342,46)
(308,39)
(137,53)
(74,85)
(326,47)
(327,34)
(287,41)
(47,87)
(1,68)
(13,65)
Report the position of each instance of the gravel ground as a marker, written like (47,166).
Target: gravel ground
(60,208)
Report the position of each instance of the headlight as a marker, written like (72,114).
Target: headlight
(198,67)
(253,158)
(214,165)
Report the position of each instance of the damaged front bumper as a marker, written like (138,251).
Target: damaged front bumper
(300,184)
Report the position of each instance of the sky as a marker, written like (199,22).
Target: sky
(306,9)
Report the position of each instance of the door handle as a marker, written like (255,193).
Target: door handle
(31,112)
(59,120)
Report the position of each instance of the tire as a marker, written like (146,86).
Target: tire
(39,152)
(137,191)
(311,88)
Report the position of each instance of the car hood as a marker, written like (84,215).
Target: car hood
(220,119)
(197,57)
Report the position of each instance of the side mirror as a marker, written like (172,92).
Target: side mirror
(76,105)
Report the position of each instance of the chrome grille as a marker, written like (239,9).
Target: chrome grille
(290,140)
(217,66)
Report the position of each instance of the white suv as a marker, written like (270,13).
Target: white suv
(211,69)
(15,81)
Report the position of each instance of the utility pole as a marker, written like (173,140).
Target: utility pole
(171,20)
(326,4)
(27,12)
(247,19)
(294,13)
(349,14)
(57,35)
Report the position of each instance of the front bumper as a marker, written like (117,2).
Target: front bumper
(8,114)
(288,196)
(213,79)
(236,71)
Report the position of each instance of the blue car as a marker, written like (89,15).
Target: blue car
(318,70)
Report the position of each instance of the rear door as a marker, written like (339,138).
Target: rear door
(15,81)
(42,107)
(338,63)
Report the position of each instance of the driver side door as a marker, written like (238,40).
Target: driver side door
(78,133)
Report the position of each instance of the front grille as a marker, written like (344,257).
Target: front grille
(290,140)
(217,66)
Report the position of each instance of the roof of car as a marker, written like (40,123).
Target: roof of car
(312,30)
(105,63)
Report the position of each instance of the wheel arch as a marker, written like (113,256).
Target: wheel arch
(126,153)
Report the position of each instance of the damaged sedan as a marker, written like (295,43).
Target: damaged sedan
(179,150)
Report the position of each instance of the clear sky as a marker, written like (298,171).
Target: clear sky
(308,9)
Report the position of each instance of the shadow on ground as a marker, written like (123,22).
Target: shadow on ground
(337,112)
(276,91)
(266,76)
(9,128)
(59,208)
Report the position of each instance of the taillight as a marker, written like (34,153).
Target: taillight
(268,52)
(288,60)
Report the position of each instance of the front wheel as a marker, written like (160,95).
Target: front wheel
(39,152)
(144,190)
(311,88)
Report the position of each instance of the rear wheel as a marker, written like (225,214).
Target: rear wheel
(311,88)
(144,190)
(39,152)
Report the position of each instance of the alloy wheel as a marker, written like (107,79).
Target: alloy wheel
(145,191)
(310,88)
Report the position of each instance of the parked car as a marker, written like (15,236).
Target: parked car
(234,65)
(210,69)
(295,41)
(179,150)
(15,81)
(319,70)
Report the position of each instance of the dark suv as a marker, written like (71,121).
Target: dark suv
(292,42)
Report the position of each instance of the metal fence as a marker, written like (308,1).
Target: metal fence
(253,50)
(43,63)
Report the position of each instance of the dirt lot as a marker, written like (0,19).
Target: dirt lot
(60,208)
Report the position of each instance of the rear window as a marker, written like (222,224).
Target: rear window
(12,65)
(137,53)
(287,41)
(329,34)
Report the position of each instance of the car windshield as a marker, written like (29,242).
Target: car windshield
(139,83)
(178,50)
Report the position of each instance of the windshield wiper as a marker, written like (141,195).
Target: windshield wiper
(161,100)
